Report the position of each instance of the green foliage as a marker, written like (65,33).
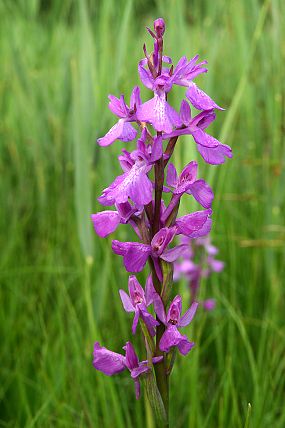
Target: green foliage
(59,282)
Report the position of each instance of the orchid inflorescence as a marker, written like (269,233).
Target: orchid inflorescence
(138,197)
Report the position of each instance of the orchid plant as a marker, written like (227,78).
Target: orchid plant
(138,195)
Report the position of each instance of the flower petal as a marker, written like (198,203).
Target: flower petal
(202,192)
(126,301)
(145,75)
(216,155)
(116,106)
(159,308)
(105,222)
(188,316)
(132,360)
(135,254)
(135,321)
(173,253)
(107,361)
(149,321)
(149,290)
(112,135)
(185,113)
(171,177)
(200,99)
(192,222)
(172,337)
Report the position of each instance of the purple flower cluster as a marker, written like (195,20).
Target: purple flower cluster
(198,261)
(147,196)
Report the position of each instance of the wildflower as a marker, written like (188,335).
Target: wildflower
(137,301)
(173,320)
(122,130)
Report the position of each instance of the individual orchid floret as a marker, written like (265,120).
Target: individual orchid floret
(122,130)
(106,222)
(133,184)
(212,150)
(187,183)
(173,320)
(136,254)
(111,363)
(137,301)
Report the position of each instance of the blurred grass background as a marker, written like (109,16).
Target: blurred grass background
(59,282)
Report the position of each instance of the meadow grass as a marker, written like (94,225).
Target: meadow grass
(59,282)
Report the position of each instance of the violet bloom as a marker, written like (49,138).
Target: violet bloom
(122,130)
(138,301)
(157,111)
(111,363)
(187,183)
(173,320)
(134,183)
(135,254)
(212,150)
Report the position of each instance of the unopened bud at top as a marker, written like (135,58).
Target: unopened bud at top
(159,27)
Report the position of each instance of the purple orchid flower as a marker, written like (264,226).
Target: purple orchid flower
(134,183)
(187,183)
(138,301)
(212,150)
(122,130)
(111,363)
(135,254)
(157,110)
(173,320)
(106,222)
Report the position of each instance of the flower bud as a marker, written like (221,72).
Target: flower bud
(159,27)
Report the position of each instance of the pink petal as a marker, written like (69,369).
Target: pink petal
(192,222)
(113,134)
(171,177)
(107,361)
(127,304)
(105,222)
(171,337)
(136,257)
(216,155)
(185,113)
(202,192)
(173,253)
(188,316)
(200,99)
(159,308)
